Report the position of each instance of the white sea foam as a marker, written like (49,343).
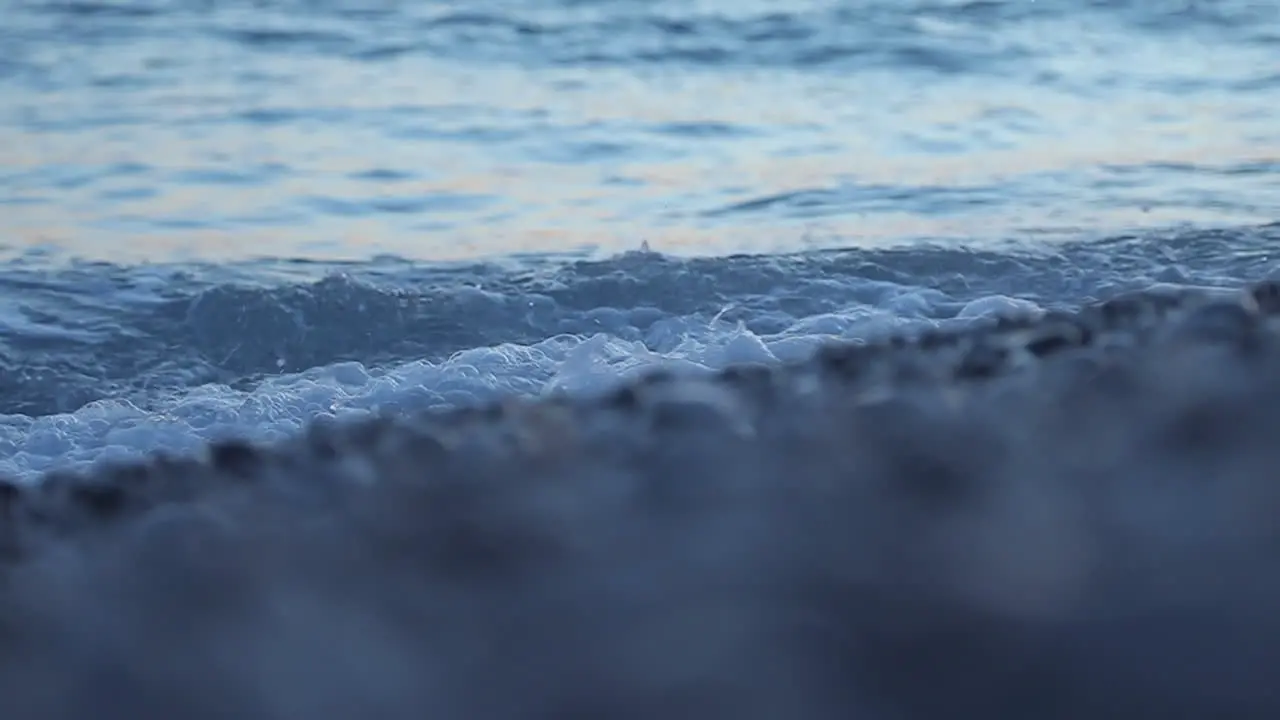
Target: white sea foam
(413,338)
(182,421)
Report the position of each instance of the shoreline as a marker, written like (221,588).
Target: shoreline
(1052,517)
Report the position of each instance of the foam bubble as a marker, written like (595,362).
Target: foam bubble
(109,430)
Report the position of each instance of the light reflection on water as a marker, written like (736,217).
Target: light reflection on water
(224,154)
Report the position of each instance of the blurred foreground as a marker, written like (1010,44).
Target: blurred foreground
(1061,518)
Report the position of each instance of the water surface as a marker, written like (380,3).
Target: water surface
(325,129)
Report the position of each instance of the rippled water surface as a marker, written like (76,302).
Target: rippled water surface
(229,219)
(135,130)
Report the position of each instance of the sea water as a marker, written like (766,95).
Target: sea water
(234,219)
(229,219)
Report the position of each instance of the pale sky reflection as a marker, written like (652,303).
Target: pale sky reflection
(469,169)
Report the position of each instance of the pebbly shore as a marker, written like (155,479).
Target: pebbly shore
(1059,515)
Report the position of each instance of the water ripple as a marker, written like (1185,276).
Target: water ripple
(448,130)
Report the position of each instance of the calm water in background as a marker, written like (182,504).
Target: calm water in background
(155,130)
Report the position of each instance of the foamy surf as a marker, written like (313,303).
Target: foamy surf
(103,363)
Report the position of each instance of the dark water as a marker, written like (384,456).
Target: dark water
(146,131)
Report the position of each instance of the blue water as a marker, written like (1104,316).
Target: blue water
(231,218)
(148,131)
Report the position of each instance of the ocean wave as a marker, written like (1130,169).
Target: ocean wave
(106,362)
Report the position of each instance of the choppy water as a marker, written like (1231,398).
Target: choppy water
(105,362)
(180,179)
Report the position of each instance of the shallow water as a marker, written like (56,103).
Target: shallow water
(106,362)
(230,219)
(325,129)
